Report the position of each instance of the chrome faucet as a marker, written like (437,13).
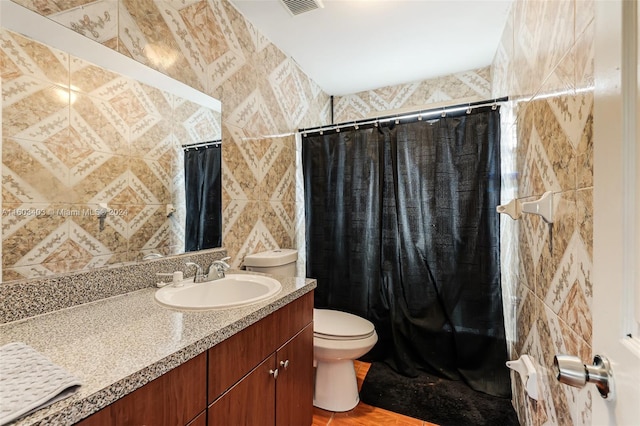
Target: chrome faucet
(217,269)
(199,276)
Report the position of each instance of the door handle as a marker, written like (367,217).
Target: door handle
(571,371)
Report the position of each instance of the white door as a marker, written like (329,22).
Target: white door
(616,296)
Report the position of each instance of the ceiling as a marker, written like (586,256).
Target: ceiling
(350,46)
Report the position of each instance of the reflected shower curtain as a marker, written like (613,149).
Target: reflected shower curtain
(402,229)
(203,198)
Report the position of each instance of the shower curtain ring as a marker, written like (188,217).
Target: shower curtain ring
(469,109)
(444,113)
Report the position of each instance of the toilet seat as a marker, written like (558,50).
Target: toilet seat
(336,325)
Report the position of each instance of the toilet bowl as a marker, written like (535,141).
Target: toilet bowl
(338,339)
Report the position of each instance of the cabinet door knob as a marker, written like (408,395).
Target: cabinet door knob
(274,373)
(284,364)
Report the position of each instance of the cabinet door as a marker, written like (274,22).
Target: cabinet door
(294,386)
(249,402)
(174,398)
(233,358)
(293,318)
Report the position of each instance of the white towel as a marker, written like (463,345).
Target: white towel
(30,381)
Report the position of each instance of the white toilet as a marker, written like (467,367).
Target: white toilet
(338,339)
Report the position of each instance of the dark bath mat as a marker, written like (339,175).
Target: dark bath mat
(433,399)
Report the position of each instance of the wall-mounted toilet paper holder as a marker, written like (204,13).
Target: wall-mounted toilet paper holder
(571,371)
(524,366)
(542,207)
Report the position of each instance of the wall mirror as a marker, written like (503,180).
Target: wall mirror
(92,157)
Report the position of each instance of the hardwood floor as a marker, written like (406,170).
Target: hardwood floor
(363,414)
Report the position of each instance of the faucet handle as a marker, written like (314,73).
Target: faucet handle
(199,276)
(218,268)
(222,262)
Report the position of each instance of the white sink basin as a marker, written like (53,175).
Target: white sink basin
(228,292)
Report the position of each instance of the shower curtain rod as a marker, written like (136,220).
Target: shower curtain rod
(421,114)
(201,144)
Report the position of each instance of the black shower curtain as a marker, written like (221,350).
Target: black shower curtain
(402,229)
(203,193)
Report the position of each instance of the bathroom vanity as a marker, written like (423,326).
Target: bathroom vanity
(140,363)
(261,375)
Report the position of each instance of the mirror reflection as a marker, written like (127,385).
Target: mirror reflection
(203,197)
(93,163)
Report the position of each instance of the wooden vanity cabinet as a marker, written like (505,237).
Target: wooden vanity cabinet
(264,397)
(174,398)
(262,375)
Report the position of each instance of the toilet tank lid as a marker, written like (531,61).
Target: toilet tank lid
(269,258)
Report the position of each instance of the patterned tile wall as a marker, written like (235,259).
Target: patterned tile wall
(468,86)
(545,65)
(74,136)
(208,45)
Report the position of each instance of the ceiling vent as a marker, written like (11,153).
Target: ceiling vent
(296,7)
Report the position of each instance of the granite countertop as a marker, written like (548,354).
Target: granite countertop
(119,344)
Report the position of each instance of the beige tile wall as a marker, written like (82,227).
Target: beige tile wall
(545,65)
(467,86)
(265,96)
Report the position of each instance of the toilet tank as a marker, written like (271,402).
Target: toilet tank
(277,262)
